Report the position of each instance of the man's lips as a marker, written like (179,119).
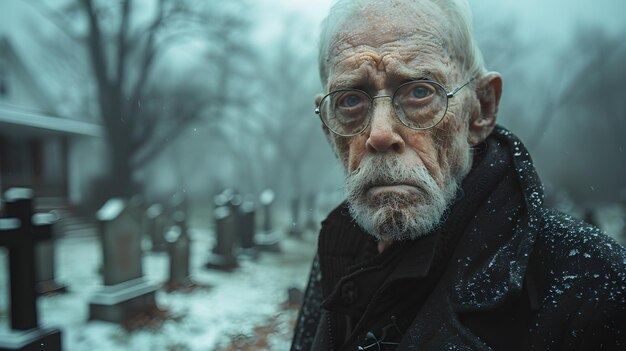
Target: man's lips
(401,187)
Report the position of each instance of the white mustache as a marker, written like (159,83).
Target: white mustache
(385,170)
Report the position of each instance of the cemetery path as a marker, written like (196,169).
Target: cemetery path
(238,310)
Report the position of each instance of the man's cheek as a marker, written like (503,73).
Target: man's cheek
(342,149)
(356,153)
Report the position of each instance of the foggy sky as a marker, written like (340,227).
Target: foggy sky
(546,27)
(548,24)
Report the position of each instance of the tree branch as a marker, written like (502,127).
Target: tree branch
(148,58)
(58,20)
(122,44)
(96,50)
(182,122)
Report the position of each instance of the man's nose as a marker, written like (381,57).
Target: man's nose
(383,132)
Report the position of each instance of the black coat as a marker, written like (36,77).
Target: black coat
(501,273)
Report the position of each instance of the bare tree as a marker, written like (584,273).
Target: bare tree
(289,123)
(125,42)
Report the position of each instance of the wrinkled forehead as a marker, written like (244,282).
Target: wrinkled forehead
(408,28)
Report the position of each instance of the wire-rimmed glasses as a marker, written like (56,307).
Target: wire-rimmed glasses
(418,104)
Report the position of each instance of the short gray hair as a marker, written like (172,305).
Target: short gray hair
(459,16)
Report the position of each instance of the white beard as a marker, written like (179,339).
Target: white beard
(406,215)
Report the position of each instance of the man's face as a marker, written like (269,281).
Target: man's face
(400,180)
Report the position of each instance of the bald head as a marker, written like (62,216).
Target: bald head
(445,23)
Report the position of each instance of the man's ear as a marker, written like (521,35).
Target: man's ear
(482,122)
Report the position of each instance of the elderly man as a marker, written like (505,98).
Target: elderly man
(443,242)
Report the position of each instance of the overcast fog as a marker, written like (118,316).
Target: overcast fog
(216,95)
(545,51)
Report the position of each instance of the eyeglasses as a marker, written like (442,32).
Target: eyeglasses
(418,104)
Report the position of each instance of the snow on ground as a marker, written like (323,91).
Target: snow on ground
(229,307)
(229,312)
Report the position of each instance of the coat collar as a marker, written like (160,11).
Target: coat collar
(492,225)
(491,258)
(502,233)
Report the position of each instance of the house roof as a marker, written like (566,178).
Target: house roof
(10,56)
(16,120)
(33,114)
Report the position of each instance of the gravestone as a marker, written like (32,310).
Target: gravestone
(268,239)
(178,202)
(246,228)
(312,223)
(44,249)
(179,251)
(125,292)
(590,216)
(621,205)
(19,234)
(138,208)
(222,256)
(295,228)
(234,204)
(224,198)
(157,222)
(46,278)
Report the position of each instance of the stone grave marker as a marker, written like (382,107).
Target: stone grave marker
(157,219)
(266,199)
(19,234)
(44,249)
(268,239)
(295,228)
(46,257)
(234,204)
(311,223)
(177,237)
(222,256)
(178,202)
(125,292)
(138,208)
(246,229)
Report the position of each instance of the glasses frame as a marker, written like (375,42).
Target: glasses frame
(449,95)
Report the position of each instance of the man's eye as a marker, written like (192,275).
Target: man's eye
(421,92)
(351,101)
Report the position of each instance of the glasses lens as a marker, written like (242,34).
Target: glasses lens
(420,104)
(345,112)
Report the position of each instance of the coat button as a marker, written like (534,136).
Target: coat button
(349,292)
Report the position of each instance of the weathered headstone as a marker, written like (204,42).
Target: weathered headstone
(46,277)
(157,222)
(268,239)
(266,199)
(44,249)
(179,251)
(234,204)
(623,234)
(125,292)
(222,256)
(295,228)
(137,206)
(19,234)
(246,228)
(178,202)
(312,223)
(294,297)
(620,219)
(590,216)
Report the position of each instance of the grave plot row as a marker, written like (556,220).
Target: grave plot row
(20,231)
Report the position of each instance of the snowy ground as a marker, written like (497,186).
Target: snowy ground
(241,310)
(229,312)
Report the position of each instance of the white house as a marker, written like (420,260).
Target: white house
(56,156)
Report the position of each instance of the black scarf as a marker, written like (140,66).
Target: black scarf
(496,196)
